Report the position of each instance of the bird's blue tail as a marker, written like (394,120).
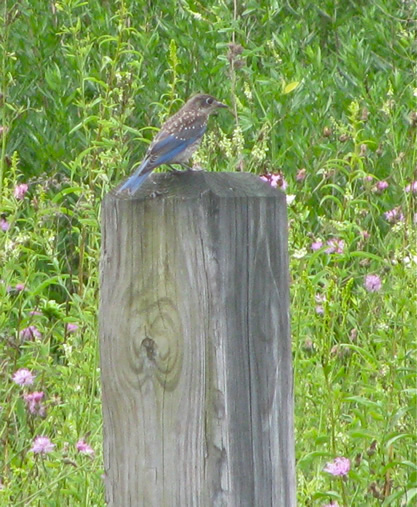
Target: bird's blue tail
(136,179)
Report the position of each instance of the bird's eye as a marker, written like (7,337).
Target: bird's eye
(209,100)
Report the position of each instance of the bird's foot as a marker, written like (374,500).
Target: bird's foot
(186,169)
(196,168)
(173,170)
(193,169)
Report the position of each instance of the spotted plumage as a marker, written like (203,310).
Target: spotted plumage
(177,140)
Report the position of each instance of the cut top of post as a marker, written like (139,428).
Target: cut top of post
(192,184)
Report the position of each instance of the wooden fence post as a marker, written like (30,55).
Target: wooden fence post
(195,345)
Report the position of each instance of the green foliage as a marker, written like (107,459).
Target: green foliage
(322,91)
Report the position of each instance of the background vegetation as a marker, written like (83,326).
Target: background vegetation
(323,99)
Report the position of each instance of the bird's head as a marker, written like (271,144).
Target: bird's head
(204,102)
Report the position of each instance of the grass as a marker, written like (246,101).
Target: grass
(323,92)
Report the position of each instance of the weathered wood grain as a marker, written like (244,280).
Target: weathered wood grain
(195,344)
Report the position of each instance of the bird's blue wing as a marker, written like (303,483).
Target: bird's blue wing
(166,149)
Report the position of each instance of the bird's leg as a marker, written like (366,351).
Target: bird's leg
(192,169)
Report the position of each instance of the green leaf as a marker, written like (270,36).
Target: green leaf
(290,87)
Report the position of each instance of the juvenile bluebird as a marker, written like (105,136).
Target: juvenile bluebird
(177,140)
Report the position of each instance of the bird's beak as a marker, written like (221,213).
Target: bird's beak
(220,104)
